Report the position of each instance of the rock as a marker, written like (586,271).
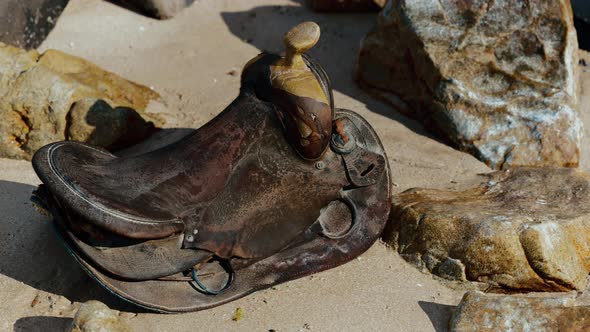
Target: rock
(27,23)
(522,229)
(347,5)
(451,269)
(496,79)
(163,9)
(480,312)
(95,316)
(55,96)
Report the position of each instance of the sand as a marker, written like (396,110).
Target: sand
(187,59)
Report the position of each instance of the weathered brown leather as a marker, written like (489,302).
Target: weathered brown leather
(237,190)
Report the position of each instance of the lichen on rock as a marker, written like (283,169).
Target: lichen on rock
(494,78)
(522,229)
(55,96)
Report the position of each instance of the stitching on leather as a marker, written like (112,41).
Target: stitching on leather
(121,215)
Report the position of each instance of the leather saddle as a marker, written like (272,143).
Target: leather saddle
(278,186)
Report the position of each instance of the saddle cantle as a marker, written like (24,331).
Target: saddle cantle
(278,186)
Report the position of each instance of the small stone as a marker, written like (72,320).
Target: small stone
(494,78)
(95,316)
(487,313)
(497,232)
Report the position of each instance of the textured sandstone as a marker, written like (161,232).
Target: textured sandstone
(480,312)
(55,96)
(347,5)
(95,316)
(494,78)
(521,229)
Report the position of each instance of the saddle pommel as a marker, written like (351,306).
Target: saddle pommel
(305,106)
(298,40)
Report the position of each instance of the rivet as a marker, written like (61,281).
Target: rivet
(320,165)
(190,238)
(195,231)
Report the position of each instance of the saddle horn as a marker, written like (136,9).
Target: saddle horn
(300,94)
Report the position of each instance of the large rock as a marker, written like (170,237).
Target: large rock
(95,316)
(55,96)
(494,78)
(482,313)
(522,229)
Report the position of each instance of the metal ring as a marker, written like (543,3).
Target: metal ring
(203,289)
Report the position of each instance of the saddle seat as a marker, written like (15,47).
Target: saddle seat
(147,196)
(112,193)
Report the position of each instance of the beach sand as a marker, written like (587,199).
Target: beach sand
(188,60)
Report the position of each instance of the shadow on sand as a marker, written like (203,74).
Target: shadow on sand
(439,314)
(336,51)
(42,324)
(31,253)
